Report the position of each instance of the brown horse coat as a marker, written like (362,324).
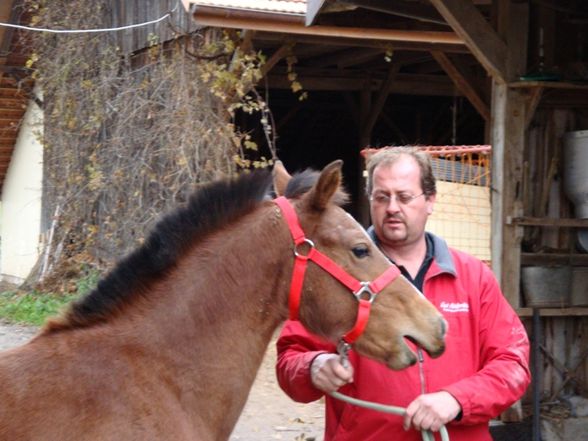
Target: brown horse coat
(169,343)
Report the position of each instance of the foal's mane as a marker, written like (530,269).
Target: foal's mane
(209,209)
(302,182)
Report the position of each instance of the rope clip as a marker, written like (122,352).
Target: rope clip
(343,349)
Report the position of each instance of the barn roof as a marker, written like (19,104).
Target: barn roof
(297,7)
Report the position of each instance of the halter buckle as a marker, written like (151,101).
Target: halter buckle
(308,242)
(365,289)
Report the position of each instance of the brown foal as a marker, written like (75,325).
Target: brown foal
(169,343)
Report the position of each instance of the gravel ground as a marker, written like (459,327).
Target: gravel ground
(268,415)
(14,335)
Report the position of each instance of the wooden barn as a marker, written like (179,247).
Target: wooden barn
(343,75)
(513,74)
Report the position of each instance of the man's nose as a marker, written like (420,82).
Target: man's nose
(393,205)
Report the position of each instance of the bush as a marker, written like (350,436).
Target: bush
(31,308)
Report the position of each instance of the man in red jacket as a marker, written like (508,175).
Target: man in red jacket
(485,365)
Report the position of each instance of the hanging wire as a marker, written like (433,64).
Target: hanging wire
(88,31)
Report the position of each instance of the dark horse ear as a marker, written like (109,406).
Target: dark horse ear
(326,186)
(281,178)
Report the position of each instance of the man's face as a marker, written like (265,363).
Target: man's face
(398,207)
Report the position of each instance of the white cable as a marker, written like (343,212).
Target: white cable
(85,31)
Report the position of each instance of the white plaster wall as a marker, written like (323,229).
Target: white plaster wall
(20,217)
(462,217)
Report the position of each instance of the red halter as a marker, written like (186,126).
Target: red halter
(357,288)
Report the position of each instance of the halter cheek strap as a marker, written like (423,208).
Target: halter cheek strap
(359,289)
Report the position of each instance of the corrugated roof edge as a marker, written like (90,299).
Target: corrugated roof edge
(296,7)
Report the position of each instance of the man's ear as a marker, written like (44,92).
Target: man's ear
(281,178)
(431,203)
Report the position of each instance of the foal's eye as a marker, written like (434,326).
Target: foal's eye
(361,251)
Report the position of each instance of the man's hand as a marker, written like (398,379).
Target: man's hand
(431,411)
(328,374)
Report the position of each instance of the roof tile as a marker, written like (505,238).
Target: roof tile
(271,6)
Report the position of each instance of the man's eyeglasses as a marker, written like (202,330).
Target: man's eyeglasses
(401,198)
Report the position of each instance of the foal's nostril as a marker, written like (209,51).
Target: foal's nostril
(443,327)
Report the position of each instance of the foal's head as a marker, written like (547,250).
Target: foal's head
(328,308)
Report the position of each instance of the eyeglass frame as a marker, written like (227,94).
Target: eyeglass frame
(384,198)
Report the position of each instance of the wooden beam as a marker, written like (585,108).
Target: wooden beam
(531,259)
(517,35)
(549,85)
(346,57)
(462,83)
(427,67)
(227,18)
(404,59)
(365,104)
(411,10)
(483,41)
(352,107)
(276,57)
(394,127)
(555,312)
(376,109)
(247,40)
(290,114)
(359,56)
(446,136)
(548,222)
(325,41)
(245,47)
(405,84)
(533,100)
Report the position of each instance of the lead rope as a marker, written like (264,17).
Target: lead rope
(343,349)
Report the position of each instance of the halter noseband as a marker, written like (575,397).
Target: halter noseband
(359,289)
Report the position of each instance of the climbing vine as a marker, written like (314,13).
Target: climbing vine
(128,136)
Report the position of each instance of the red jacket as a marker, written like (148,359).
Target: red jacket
(485,364)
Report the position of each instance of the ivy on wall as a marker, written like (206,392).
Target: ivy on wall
(128,136)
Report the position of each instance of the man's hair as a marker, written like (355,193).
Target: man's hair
(390,155)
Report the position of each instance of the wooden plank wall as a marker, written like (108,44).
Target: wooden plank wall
(564,339)
(565,342)
(129,12)
(542,181)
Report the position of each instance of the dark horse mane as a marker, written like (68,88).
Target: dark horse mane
(209,209)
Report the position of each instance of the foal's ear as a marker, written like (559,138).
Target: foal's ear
(281,178)
(326,186)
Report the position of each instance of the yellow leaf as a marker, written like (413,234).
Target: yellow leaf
(250,145)
(296,86)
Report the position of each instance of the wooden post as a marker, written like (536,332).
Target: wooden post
(365,105)
(509,108)
(508,140)
(509,124)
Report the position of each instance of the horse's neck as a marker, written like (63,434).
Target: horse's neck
(223,304)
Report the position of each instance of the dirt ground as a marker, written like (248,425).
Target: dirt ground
(268,415)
